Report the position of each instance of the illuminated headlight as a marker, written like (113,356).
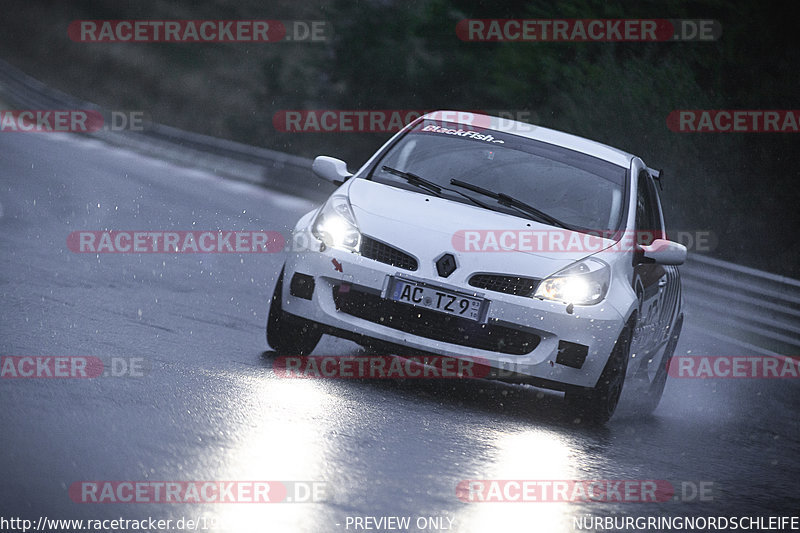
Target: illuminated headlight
(583,283)
(336,225)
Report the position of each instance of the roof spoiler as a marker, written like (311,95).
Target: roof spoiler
(657,175)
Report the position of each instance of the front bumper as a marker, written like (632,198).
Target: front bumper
(523,340)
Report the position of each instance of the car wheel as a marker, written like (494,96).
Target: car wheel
(653,390)
(289,334)
(597,405)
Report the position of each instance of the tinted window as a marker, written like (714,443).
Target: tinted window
(580,190)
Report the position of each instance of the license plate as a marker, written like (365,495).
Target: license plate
(441,300)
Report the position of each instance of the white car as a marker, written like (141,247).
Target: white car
(537,252)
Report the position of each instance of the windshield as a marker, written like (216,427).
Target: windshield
(584,192)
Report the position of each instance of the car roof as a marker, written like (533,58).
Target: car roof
(538,133)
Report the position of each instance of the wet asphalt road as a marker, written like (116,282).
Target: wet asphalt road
(210,407)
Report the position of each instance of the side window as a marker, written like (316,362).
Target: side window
(648,212)
(657,214)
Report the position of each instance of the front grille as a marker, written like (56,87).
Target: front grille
(434,325)
(384,253)
(516,285)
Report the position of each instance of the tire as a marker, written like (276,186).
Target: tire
(655,389)
(595,406)
(289,334)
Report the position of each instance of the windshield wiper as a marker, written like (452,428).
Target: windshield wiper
(413,179)
(510,201)
(429,185)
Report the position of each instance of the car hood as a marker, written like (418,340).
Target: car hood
(427,227)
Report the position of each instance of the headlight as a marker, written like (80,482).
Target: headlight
(583,283)
(336,225)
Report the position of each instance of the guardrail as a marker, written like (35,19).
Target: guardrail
(748,305)
(754,309)
(269,168)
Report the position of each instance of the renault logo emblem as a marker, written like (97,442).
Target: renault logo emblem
(446,265)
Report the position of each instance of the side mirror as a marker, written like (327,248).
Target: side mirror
(331,169)
(664,252)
